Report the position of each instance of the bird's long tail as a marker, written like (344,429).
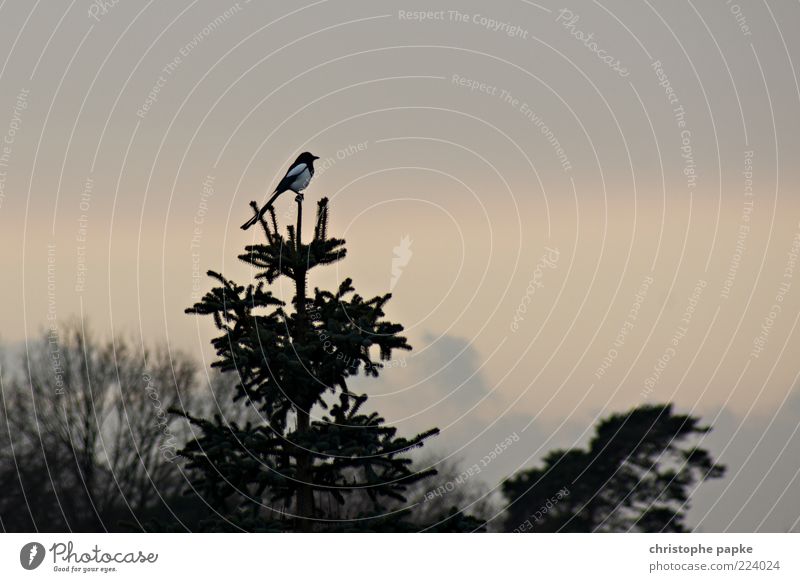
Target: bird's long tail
(261,212)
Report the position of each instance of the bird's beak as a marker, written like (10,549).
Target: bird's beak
(315,157)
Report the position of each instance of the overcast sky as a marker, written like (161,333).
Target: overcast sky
(589,205)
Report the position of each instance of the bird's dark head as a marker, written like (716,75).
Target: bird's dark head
(306,158)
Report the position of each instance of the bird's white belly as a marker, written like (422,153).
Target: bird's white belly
(302,180)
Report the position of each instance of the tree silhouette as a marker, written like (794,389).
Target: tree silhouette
(636,475)
(292,360)
(86,443)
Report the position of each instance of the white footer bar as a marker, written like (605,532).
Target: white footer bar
(388,557)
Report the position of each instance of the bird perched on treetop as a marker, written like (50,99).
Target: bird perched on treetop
(296,179)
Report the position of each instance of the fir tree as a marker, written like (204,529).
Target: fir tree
(292,361)
(636,475)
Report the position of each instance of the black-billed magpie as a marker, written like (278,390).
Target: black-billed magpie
(296,180)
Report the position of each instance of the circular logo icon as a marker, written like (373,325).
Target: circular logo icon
(31,555)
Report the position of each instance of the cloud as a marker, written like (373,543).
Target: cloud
(443,385)
(760,491)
